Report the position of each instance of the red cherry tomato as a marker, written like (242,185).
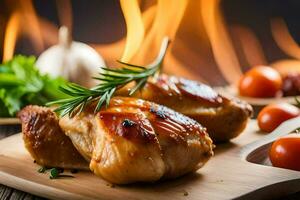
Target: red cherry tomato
(273,115)
(285,152)
(261,82)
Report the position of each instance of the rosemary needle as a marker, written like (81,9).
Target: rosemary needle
(111,80)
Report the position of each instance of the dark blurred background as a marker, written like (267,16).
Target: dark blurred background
(256,14)
(94,21)
(102,21)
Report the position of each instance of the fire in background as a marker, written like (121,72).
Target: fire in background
(213,41)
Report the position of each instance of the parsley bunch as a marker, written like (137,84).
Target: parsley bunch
(22,84)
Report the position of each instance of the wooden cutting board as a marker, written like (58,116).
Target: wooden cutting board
(9,121)
(227,175)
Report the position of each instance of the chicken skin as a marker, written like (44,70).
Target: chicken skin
(133,140)
(223,118)
(45,140)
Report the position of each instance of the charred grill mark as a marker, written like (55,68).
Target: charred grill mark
(199,91)
(32,122)
(182,88)
(128,125)
(142,121)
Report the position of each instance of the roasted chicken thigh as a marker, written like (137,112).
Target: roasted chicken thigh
(131,140)
(224,118)
(135,140)
(45,140)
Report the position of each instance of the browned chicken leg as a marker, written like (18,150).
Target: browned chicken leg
(45,140)
(223,118)
(135,140)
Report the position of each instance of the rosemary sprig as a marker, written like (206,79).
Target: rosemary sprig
(111,80)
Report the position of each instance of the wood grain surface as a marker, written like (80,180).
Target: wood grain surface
(214,181)
(8,193)
(9,121)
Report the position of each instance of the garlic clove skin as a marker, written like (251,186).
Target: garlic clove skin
(75,61)
(51,61)
(82,63)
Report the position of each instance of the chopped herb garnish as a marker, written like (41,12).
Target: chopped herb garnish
(42,170)
(53,173)
(56,172)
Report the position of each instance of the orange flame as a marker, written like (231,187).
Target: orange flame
(284,39)
(202,45)
(30,24)
(10,36)
(142,45)
(221,43)
(288,45)
(135,28)
(23,14)
(249,49)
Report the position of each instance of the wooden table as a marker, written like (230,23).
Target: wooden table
(8,193)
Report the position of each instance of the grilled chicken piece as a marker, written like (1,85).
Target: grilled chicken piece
(45,140)
(135,140)
(223,118)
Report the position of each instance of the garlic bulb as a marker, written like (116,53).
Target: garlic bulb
(75,61)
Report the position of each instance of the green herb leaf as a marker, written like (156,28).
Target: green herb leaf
(54,173)
(42,170)
(22,84)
